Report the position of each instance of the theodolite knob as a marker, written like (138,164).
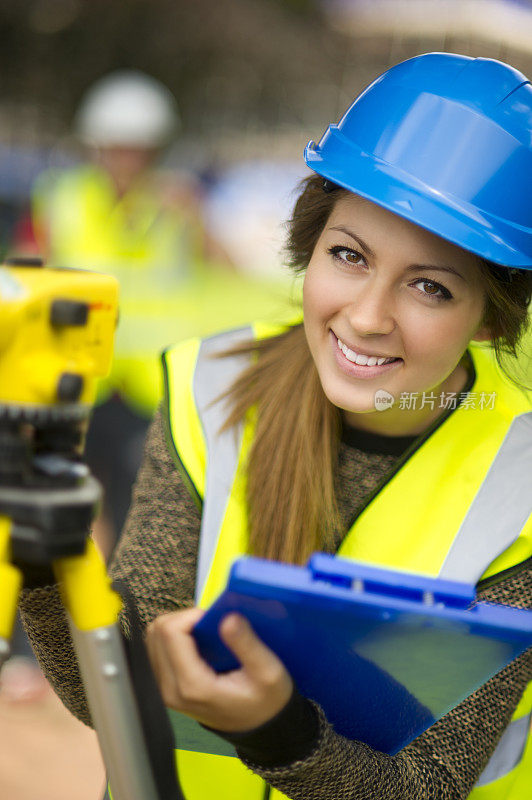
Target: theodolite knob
(69,387)
(69,313)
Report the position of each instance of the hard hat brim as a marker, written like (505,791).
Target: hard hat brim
(458,222)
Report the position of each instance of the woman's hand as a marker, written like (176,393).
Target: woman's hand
(234,701)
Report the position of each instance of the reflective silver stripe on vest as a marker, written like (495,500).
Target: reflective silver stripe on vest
(212,377)
(500,509)
(508,752)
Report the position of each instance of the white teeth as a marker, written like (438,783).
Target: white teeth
(359,358)
(349,354)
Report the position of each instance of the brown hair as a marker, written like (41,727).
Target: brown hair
(290,471)
(291,500)
(506,312)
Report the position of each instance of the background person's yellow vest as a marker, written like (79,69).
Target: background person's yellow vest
(446,512)
(167,292)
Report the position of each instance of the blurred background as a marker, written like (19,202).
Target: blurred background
(253,79)
(162,140)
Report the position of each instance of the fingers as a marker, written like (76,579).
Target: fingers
(185,620)
(163,629)
(262,677)
(233,701)
(182,674)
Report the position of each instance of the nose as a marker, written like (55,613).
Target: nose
(371,311)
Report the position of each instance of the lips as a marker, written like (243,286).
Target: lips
(364,359)
(348,363)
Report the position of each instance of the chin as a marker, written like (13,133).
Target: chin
(367,408)
(362,405)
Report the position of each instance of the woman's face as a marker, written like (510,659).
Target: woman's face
(378,286)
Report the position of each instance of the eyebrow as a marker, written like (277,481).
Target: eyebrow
(412,268)
(357,239)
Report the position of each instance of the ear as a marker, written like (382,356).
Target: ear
(483,334)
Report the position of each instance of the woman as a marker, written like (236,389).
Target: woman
(417,202)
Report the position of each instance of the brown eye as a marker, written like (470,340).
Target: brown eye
(353,258)
(346,256)
(432,289)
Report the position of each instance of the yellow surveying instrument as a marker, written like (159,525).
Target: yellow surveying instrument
(56,336)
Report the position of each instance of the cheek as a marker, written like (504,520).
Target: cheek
(319,301)
(437,342)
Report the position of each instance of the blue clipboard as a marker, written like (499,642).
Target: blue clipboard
(384,653)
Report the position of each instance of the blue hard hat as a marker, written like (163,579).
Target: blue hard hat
(445,141)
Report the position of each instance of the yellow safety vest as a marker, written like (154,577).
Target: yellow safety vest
(167,293)
(459,507)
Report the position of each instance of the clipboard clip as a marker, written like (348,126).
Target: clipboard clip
(359,577)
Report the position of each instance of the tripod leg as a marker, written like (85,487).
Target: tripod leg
(10,585)
(94,607)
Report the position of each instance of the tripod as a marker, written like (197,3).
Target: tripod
(48,497)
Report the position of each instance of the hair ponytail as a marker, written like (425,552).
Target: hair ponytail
(290,472)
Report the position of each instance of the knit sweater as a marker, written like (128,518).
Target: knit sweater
(157,556)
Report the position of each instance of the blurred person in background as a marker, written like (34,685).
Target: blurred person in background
(119,213)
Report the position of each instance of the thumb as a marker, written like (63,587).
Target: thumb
(254,656)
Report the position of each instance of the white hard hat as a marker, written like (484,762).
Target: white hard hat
(127,108)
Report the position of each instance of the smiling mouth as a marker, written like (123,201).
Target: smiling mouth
(362,359)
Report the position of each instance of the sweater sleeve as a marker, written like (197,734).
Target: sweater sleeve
(156,556)
(443,763)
